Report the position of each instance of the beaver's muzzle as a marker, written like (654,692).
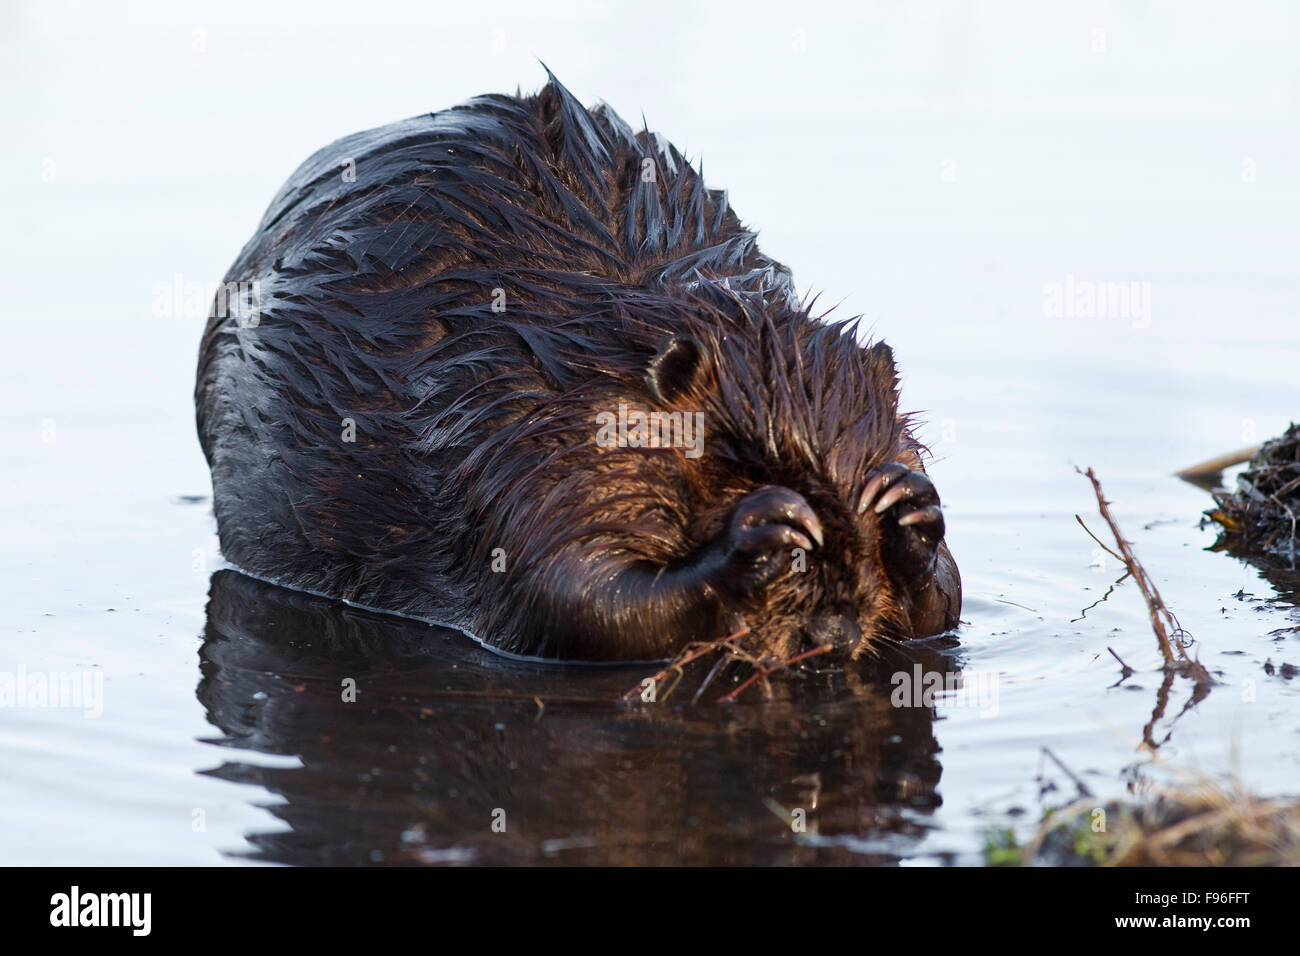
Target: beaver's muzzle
(840,631)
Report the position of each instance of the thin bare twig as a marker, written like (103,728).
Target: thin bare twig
(764,674)
(1097,539)
(1163,622)
(1084,789)
(676,665)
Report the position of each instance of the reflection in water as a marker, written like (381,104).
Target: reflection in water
(444,738)
(1280,572)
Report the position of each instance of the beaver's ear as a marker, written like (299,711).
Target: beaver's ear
(679,366)
(882,358)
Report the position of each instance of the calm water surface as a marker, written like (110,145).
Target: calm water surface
(221,695)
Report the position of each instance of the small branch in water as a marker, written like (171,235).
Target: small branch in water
(1213,469)
(1097,539)
(1128,671)
(764,674)
(718,665)
(1163,622)
(1014,604)
(1084,791)
(724,644)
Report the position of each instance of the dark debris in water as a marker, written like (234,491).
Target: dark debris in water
(1260,517)
(1284,670)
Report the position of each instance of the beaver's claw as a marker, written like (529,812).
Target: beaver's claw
(762,528)
(911,520)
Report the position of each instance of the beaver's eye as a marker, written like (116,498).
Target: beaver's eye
(678,366)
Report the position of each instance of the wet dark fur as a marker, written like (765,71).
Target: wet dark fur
(475,429)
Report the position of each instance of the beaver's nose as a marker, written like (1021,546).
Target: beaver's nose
(840,631)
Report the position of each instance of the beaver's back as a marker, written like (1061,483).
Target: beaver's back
(414,286)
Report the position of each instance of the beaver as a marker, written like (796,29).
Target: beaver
(512,368)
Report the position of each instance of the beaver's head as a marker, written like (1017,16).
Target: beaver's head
(814,519)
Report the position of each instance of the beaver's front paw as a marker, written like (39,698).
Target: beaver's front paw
(911,520)
(753,549)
